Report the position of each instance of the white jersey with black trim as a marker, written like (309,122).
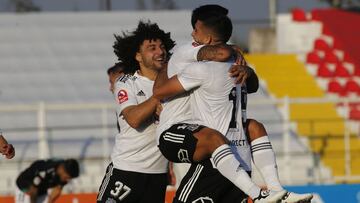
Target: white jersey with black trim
(136,149)
(177,109)
(215,103)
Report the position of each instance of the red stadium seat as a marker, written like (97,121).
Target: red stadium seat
(313,57)
(341,71)
(324,72)
(330,57)
(352,86)
(298,15)
(356,71)
(354,114)
(335,87)
(321,44)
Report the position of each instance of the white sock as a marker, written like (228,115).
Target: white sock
(230,168)
(264,160)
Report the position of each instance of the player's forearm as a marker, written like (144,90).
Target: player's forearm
(220,53)
(33,197)
(136,115)
(55,193)
(170,88)
(252,82)
(52,199)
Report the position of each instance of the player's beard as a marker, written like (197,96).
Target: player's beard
(154,64)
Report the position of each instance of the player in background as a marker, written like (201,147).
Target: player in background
(34,183)
(114,73)
(138,172)
(262,152)
(6,149)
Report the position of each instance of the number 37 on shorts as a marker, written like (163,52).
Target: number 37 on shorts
(120,191)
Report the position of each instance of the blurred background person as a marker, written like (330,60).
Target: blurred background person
(43,180)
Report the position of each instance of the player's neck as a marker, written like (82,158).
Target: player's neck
(148,73)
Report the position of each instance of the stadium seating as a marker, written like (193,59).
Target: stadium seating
(322,45)
(324,71)
(340,50)
(278,70)
(298,15)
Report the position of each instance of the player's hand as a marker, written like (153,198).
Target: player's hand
(8,151)
(158,111)
(240,59)
(240,73)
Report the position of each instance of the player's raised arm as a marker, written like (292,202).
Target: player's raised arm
(166,87)
(134,113)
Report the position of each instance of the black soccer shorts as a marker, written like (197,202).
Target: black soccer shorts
(178,143)
(204,184)
(120,186)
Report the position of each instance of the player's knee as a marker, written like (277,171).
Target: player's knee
(210,139)
(255,129)
(215,139)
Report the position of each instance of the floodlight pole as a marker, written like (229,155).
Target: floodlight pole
(272,12)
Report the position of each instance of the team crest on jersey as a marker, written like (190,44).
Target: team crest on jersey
(122,96)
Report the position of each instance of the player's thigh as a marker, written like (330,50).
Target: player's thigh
(202,184)
(178,143)
(155,188)
(119,186)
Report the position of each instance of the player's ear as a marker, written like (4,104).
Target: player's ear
(138,57)
(208,39)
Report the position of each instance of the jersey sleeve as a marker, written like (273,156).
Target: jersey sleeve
(193,76)
(124,94)
(187,53)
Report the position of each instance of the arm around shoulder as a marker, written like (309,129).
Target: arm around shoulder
(219,53)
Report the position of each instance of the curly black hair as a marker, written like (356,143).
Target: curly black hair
(127,45)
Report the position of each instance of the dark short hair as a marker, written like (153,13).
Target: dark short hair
(215,18)
(206,11)
(127,45)
(72,167)
(116,68)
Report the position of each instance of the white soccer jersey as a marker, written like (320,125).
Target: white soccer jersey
(136,149)
(177,109)
(215,103)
